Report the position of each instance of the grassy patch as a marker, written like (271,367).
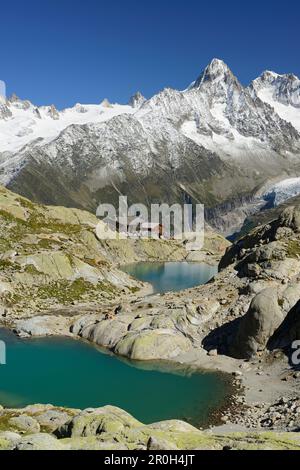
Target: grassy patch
(293,250)
(65,291)
(31,269)
(47,244)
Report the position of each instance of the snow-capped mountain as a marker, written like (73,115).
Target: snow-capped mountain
(213,142)
(282,92)
(21,122)
(137,100)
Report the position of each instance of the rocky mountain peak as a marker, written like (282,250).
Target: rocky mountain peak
(284,89)
(106,104)
(137,100)
(268,76)
(18,103)
(14,98)
(216,71)
(53,113)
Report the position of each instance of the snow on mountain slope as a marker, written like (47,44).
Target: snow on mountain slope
(223,116)
(230,120)
(282,92)
(24,123)
(216,134)
(223,112)
(282,191)
(230,145)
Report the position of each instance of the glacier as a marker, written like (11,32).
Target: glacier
(282,191)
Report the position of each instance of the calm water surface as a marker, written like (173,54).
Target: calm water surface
(72,373)
(166,277)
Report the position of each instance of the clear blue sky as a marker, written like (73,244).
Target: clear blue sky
(68,51)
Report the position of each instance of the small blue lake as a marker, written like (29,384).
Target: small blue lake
(71,373)
(166,277)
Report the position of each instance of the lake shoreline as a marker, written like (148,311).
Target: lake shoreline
(244,383)
(167,368)
(253,386)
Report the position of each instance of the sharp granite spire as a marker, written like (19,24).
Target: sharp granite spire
(217,70)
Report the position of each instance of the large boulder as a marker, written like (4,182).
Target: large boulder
(45,325)
(52,419)
(258,325)
(93,422)
(153,345)
(39,442)
(290,296)
(290,218)
(160,444)
(107,333)
(25,424)
(289,330)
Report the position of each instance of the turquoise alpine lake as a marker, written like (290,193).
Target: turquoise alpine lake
(171,276)
(70,373)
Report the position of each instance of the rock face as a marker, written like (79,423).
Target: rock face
(267,242)
(258,325)
(268,257)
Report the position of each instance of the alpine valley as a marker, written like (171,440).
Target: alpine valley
(148,343)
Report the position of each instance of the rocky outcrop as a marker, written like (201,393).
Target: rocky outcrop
(139,334)
(267,242)
(50,256)
(258,325)
(153,345)
(289,330)
(25,423)
(110,428)
(268,257)
(137,100)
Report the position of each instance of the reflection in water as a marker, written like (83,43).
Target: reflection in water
(166,277)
